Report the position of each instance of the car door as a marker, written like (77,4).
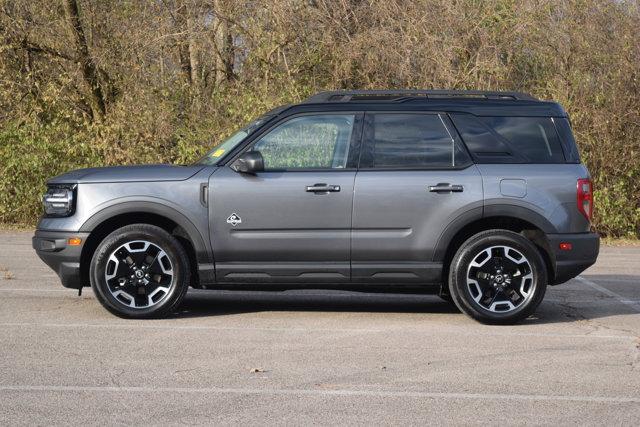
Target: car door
(415,179)
(291,222)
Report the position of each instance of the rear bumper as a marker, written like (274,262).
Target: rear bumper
(64,259)
(569,263)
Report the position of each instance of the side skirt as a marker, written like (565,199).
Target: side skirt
(387,288)
(410,277)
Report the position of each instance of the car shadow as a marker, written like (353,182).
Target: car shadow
(211,303)
(572,302)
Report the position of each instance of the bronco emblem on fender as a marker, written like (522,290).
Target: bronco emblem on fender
(234,219)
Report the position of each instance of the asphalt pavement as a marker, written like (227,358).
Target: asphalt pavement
(317,357)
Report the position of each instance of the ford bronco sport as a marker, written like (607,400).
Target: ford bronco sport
(477,196)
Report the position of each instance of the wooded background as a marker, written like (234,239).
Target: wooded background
(101,82)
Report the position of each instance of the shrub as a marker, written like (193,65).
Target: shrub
(29,155)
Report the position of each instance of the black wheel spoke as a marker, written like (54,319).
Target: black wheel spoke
(495,295)
(151,256)
(515,289)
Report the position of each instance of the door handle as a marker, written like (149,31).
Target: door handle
(443,187)
(322,188)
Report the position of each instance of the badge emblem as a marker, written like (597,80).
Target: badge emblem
(234,219)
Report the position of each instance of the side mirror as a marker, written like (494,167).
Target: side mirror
(249,162)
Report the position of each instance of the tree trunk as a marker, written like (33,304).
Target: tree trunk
(90,72)
(183,45)
(223,40)
(229,54)
(187,48)
(194,60)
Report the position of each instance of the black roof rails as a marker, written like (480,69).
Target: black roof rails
(403,94)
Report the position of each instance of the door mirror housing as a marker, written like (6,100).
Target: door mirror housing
(249,162)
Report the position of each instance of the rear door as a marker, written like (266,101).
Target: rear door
(290,223)
(415,178)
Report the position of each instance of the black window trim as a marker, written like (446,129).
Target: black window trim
(353,154)
(366,147)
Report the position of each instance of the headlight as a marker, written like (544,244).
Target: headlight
(59,201)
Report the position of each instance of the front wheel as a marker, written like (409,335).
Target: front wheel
(497,276)
(140,271)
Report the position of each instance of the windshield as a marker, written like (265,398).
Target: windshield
(230,143)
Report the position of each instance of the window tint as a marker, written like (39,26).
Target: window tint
(534,137)
(411,140)
(568,142)
(313,142)
(484,144)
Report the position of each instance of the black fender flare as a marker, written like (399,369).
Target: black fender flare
(488,211)
(200,244)
(520,212)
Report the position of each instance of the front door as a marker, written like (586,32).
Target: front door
(290,223)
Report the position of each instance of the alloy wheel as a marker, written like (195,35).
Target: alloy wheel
(139,274)
(500,279)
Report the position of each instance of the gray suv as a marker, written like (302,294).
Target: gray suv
(477,196)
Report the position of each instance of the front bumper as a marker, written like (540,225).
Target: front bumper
(569,263)
(64,259)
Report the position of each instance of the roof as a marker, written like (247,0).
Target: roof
(479,103)
(402,95)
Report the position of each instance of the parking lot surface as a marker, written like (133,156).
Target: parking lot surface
(317,357)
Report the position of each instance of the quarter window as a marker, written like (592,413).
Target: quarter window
(535,137)
(412,141)
(308,142)
(482,142)
(566,138)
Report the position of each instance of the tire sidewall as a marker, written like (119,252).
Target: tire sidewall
(470,249)
(157,236)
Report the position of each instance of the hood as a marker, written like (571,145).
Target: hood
(127,174)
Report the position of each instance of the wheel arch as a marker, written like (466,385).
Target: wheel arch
(521,220)
(110,219)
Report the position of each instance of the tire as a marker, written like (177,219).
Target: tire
(497,277)
(140,271)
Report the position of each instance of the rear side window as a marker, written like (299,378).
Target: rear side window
(411,141)
(534,137)
(510,139)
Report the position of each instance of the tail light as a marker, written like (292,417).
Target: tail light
(585,198)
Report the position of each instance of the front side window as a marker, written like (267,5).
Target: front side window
(412,141)
(308,142)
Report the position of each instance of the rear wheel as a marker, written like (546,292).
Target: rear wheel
(140,271)
(497,276)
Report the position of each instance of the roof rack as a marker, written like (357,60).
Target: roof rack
(405,94)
